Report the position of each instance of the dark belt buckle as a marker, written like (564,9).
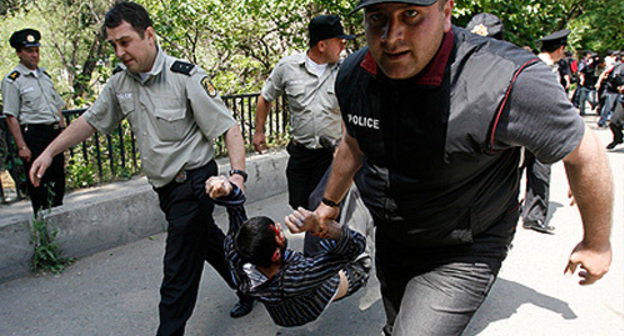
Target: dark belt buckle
(181,177)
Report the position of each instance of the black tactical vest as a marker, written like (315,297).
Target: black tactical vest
(432,174)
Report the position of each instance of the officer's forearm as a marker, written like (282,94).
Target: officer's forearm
(15,130)
(347,161)
(590,179)
(235,147)
(262,111)
(78,131)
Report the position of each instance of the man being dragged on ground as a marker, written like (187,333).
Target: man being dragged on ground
(294,289)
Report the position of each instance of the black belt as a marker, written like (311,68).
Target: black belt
(54,126)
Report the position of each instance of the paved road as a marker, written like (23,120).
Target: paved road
(116,292)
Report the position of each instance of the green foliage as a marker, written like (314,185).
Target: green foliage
(47,256)
(239,42)
(595,24)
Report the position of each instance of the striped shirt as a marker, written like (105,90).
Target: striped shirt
(304,286)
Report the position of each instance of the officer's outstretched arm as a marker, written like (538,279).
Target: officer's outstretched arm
(78,131)
(591,183)
(347,161)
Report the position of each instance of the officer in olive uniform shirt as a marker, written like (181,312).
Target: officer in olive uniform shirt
(33,111)
(175,113)
(307,79)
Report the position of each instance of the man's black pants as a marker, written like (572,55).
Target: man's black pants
(52,188)
(536,202)
(192,238)
(304,172)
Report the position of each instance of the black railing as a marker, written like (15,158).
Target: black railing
(115,156)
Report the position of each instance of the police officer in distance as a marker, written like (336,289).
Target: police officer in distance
(175,113)
(534,211)
(32,107)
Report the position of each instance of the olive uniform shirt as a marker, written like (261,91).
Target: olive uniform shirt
(313,106)
(174,114)
(29,96)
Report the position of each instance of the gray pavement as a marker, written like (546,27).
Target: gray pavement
(116,292)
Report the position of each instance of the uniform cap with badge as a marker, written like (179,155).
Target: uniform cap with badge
(486,24)
(325,27)
(25,38)
(556,39)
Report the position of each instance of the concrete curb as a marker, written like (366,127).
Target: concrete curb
(115,214)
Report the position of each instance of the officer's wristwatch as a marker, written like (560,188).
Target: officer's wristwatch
(329,202)
(239,172)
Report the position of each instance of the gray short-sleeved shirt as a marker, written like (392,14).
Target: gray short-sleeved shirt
(312,102)
(30,96)
(174,116)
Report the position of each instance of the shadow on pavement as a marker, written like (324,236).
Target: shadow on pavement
(505,299)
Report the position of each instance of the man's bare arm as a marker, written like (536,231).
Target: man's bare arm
(236,152)
(22,149)
(347,161)
(262,111)
(78,131)
(592,185)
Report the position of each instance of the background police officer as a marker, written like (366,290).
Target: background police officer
(175,113)
(33,111)
(537,192)
(307,80)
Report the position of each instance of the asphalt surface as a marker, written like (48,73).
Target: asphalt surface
(116,292)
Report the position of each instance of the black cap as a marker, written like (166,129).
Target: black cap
(486,24)
(25,38)
(558,38)
(324,27)
(366,3)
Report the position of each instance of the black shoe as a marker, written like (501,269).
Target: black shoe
(536,226)
(241,308)
(613,144)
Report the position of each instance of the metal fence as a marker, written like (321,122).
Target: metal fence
(104,158)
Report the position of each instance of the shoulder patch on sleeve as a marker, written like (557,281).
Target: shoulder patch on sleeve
(210,90)
(14,75)
(117,69)
(182,67)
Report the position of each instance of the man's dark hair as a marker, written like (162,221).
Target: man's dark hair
(131,12)
(255,241)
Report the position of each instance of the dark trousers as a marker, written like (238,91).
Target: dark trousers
(537,194)
(617,121)
(436,291)
(304,172)
(52,188)
(192,238)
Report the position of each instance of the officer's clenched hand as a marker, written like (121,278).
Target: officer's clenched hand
(39,168)
(218,186)
(594,262)
(25,154)
(259,141)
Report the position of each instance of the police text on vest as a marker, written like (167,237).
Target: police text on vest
(363,121)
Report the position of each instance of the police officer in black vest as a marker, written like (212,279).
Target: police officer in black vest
(33,110)
(435,117)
